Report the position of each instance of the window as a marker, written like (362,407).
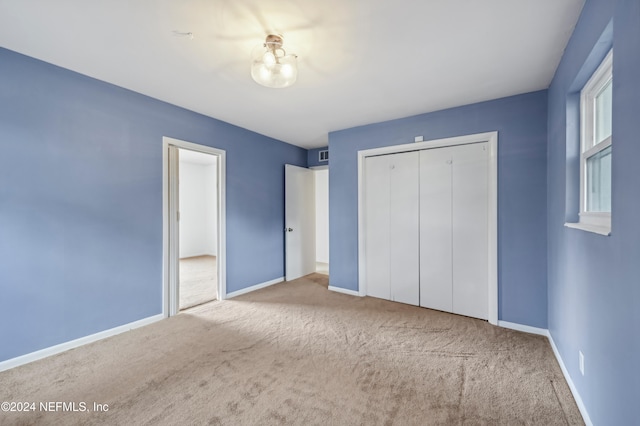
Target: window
(595,148)
(323,155)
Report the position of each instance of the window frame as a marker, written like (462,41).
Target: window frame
(601,221)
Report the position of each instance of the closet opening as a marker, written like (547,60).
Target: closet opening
(427,224)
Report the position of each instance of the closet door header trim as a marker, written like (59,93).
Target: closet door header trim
(491,137)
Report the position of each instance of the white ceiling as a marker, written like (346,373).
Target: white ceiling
(360,61)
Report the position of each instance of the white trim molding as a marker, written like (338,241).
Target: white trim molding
(590,146)
(492,139)
(63,347)
(565,372)
(345,291)
(255,287)
(572,387)
(169,207)
(524,328)
(600,230)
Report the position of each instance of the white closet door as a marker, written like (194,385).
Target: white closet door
(435,229)
(377,230)
(404,239)
(470,176)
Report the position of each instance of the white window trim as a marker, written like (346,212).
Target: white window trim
(597,222)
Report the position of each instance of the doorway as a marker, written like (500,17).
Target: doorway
(194,242)
(306,221)
(198,230)
(300,222)
(322,220)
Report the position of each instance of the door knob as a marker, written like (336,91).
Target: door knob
(288,230)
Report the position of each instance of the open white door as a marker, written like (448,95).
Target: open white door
(300,222)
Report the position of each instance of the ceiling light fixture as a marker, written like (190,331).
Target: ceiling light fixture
(271,65)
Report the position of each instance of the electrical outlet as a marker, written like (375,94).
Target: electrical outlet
(581,359)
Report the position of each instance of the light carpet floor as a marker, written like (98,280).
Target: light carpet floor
(296,353)
(198,280)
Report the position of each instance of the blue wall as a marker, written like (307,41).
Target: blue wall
(313,157)
(81,203)
(594,281)
(521,122)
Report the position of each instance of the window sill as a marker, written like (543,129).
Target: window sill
(601,230)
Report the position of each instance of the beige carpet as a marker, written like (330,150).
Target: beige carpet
(198,281)
(296,353)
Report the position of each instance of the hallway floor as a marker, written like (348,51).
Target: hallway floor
(198,280)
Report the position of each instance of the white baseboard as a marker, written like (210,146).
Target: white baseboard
(565,372)
(525,328)
(254,288)
(574,391)
(344,291)
(190,255)
(62,347)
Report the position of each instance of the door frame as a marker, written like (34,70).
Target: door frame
(492,139)
(170,255)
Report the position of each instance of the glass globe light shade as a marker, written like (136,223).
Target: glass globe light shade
(272,67)
(269,59)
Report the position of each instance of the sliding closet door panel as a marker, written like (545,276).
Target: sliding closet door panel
(435,229)
(404,227)
(470,175)
(377,230)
